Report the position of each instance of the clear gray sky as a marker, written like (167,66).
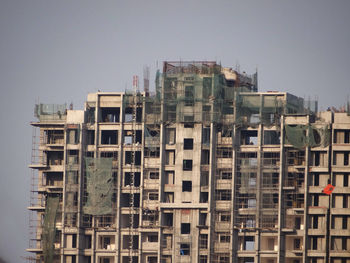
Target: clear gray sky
(58,51)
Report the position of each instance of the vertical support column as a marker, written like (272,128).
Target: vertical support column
(259,181)
(80,232)
(211,190)
(281,211)
(331,179)
(233,230)
(63,194)
(119,181)
(306,197)
(258,189)
(97,140)
(161,184)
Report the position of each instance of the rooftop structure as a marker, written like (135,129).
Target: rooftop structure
(207,169)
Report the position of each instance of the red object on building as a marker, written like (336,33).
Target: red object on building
(328,189)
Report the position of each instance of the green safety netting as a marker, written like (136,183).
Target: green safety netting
(152,138)
(301,136)
(99,186)
(50,111)
(49,228)
(202,93)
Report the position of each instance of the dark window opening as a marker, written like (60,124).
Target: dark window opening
(249,137)
(168,219)
(189,125)
(346,180)
(150,215)
(184,249)
(153,196)
(346,158)
(226,175)
(345,201)
(129,115)
(126,198)
(223,195)
(297,243)
(90,137)
(224,217)
(314,219)
(224,239)
(272,137)
(153,175)
(314,243)
(132,179)
(132,114)
(317,159)
(203,241)
(186,186)
(138,114)
(109,137)
(204,197)
(249,243)
(152,238)
(316,179)
(110,114)
(133,157)
(206,135)
(188,144)
(131,137)
(133,240)
(54,158)
(204,180)
(224,152)
(185,228)
(297,222)
(54,136)
(205,157)
(345,222)
(152,152)
(347,137)
(203,219)
(315,200)
(187,165)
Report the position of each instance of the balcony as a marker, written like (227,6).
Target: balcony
(150,246)
(151,184)
(221,247)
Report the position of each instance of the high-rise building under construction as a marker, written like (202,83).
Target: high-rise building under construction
(207,169)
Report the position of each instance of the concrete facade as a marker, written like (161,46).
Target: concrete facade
(206,170)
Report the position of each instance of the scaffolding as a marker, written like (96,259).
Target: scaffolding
(49,228)
(34,224)
(246,191)
(133,106)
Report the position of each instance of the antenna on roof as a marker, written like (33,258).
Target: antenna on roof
(146,80)
(135,84)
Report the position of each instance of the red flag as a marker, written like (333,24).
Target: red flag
(328,189)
